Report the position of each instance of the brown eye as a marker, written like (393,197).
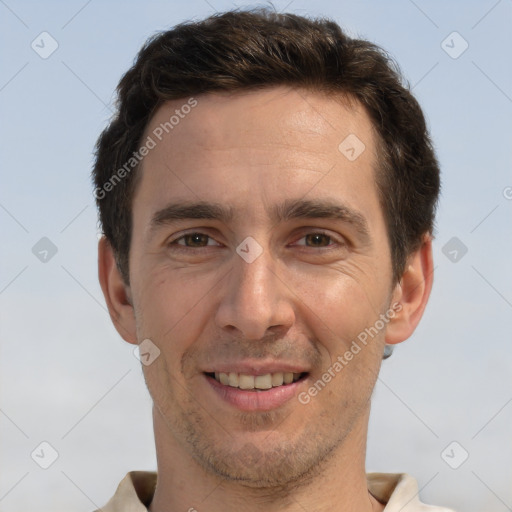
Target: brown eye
(193,240)
(320,243)
(318,240)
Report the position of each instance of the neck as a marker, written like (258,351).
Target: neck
(340,484)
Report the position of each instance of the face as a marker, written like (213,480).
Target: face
(279,267)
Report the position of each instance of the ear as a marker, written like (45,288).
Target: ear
(116,292)
(411,293)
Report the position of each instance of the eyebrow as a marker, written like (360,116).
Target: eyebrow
(288,210)
(198,210)
(321,209)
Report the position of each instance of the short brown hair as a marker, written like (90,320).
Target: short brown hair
(257,48)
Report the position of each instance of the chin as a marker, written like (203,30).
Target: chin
(268,465)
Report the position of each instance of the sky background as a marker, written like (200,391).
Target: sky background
(68,379)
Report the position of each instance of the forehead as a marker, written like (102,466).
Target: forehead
(262,117)
(253,148)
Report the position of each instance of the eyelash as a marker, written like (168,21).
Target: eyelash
(181,247)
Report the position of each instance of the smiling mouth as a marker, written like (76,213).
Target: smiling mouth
(257,382)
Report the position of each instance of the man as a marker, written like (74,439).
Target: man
(267,193)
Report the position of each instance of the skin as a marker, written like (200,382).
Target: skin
(302,301)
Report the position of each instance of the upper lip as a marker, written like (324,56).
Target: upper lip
(256,368)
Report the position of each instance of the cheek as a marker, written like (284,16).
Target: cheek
(338,303)
(171,312)
(337,311)
(171,308)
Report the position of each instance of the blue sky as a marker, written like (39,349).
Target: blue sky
(69,380)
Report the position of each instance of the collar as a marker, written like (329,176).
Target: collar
(399,491)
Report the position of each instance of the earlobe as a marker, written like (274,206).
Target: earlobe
(116,292)
(412,293)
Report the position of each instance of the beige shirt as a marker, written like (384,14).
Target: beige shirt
(398,490)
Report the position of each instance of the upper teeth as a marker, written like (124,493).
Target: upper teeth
(267,381)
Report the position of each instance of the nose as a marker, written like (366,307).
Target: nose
(255,300)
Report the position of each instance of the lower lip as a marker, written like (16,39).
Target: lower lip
(263,400)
